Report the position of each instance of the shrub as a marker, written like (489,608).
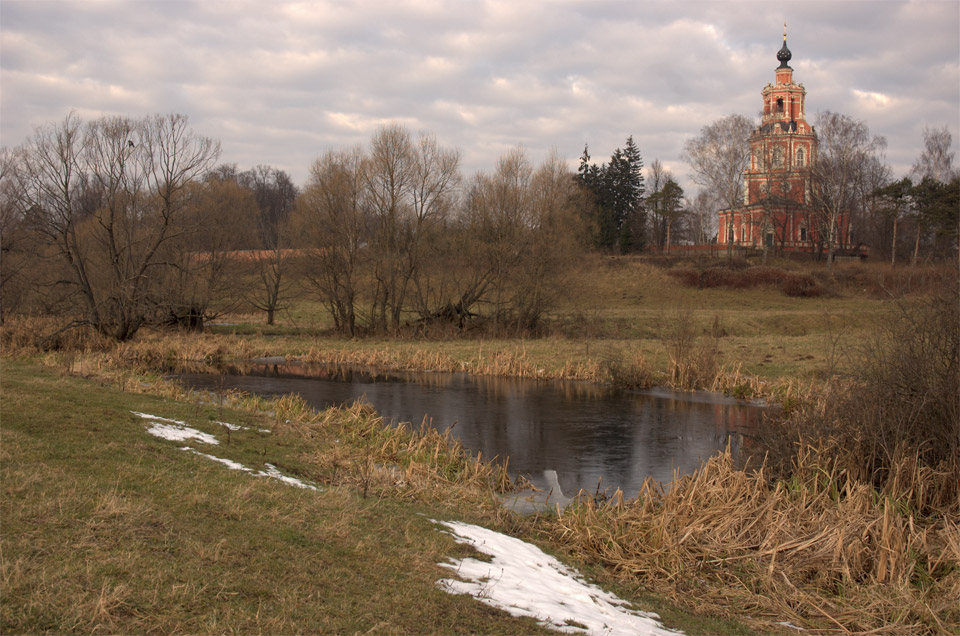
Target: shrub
(801,286)
(896,423)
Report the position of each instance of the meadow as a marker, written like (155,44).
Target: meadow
(107,529)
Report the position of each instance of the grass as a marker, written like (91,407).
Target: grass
(108,529)
(819,550)
(620,306)
(629,322)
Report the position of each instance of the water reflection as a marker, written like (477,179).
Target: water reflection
(585,432)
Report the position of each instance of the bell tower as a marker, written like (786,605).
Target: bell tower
(782,147)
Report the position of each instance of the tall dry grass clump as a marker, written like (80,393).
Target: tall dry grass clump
(376,457)
(820,550)
(896,424)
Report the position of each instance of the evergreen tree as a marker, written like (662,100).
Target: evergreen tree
(617,187)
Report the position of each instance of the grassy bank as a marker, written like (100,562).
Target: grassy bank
(109,529)
(859,531)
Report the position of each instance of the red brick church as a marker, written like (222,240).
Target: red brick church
(776,213)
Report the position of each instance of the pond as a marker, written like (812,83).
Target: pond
(588,434)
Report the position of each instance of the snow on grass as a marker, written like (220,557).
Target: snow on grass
(177,433)
(524,581)
(270,472)
(229,463)
(157,418)
(237,427)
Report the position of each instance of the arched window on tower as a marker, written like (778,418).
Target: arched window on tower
(778,156)
(800,157)
(779,104)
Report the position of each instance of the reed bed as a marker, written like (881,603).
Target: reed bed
(823,551)
(353,445)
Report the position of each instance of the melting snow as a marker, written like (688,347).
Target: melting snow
(237,427)
(176,433)
(270,472)
(524,581)
(157,418)
(229,463)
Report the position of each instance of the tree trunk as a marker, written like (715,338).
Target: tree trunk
(916,245)
(893,247)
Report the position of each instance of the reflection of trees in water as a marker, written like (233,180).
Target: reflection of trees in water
(582,431)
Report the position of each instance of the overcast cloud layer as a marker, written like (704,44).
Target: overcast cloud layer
(279,84)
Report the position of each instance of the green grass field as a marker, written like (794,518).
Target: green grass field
(625,305)
(109,529)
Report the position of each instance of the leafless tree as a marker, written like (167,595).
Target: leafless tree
(870,223)
(217,222)
(521,229)
(14,247)
(703,213)
(108,197)
(844,153)
(275,196)
(936,160)
(332,220)
(718,156)
(665,208)
(410,186)
(933,168)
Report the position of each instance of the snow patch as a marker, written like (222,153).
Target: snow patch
(176,433)
(238,427)
(229,463)
(157,418)
(270,472)
(524,581)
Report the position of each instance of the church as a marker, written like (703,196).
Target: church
(776,212)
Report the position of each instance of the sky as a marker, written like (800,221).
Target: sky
(280,83)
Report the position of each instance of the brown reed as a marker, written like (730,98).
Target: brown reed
(820,550)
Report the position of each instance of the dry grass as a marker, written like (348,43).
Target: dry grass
(354,446)
(819,550)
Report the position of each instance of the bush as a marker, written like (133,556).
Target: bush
(801,286)
(896,424)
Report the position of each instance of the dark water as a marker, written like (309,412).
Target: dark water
(582,431)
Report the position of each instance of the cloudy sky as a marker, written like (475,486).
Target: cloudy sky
(280,83)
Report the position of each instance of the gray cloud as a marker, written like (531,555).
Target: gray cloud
(282,83)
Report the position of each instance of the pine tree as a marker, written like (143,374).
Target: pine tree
(618,190)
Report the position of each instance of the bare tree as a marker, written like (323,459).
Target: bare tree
(275,196)
(521,228)
(13,237)
(108,197)
(332,221)
(435,193)
(718,156)
(410,185)
(206,280)
(931,172)
(664,204)
(871,221)
(845,151)
(936,160)
(702,215)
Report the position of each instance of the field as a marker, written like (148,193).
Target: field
(108,529)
